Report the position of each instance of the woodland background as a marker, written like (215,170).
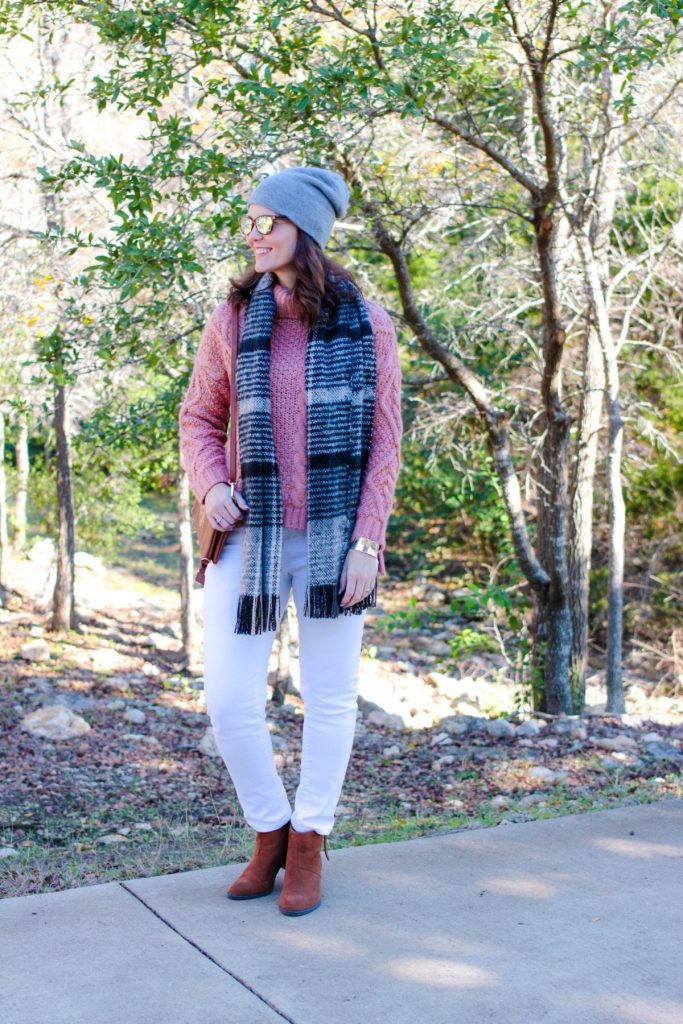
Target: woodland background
(515,204)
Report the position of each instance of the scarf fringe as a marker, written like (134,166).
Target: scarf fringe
(322,602)
(258,614)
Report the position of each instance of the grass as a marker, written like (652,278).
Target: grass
(180,845)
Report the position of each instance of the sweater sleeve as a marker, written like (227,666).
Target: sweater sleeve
(205,410)
(377,492)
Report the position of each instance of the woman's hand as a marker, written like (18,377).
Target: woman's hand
(223,511)
(357,577)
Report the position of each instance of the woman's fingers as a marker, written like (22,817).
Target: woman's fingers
(228,511)
(356,590)
(356,580)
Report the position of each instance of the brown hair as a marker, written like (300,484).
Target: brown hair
(316,281)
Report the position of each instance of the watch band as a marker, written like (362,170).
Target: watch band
(367,545)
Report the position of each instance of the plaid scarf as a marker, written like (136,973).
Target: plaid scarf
(340,401)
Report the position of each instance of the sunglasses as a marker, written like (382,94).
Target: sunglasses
(264,223)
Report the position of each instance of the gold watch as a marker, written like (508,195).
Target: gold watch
(367,545)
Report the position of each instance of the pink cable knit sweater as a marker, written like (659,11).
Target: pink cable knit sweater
(205,411)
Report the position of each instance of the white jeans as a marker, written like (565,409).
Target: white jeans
(235,676)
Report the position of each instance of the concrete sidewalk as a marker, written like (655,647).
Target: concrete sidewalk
(574,920)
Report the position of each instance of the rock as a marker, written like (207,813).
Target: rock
(135,715)
(150,670)
(532,798)
(54,722)
(37,631)
(463,707)
(440,738)
(82,560)
(395,723)
(366,706)
(207,744)
(455,725)
(141,737)
(548,743)
(500,727)
(569,727)
(115,705)
(71,699)
(115,837)
(530,727)
(543,774)
(618,742)
(610,762)
(106,659)
(378,717)
(651,737)
(8,851)
(429,593)
(445,760)
(118,683)
(392,751)
(279,742)
(663,752)
(142,826)
(162,642)
(43,552)
(35,650)
(439,648)
(501,801)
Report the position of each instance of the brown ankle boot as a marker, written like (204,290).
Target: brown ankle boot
(301,891)
(258,878)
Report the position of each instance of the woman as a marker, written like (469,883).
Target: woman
(319,434)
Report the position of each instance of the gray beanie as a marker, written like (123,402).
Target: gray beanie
(311,197)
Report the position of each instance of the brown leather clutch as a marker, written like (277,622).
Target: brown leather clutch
(209,540)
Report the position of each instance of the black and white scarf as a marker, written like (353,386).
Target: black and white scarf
(340,402)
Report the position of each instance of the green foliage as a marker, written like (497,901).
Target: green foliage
(654,481)
(467,641)
(442,505)
(107,500)
(410,617)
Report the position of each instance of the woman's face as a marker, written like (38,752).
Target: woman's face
(274,251)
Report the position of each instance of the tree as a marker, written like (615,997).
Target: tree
(505,124)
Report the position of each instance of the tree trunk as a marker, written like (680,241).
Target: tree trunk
(63,605)
(617,517)
(23,466)
(282,681)
(581,534)
(3,509)
(553,633)
(616,703)
(188,618)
